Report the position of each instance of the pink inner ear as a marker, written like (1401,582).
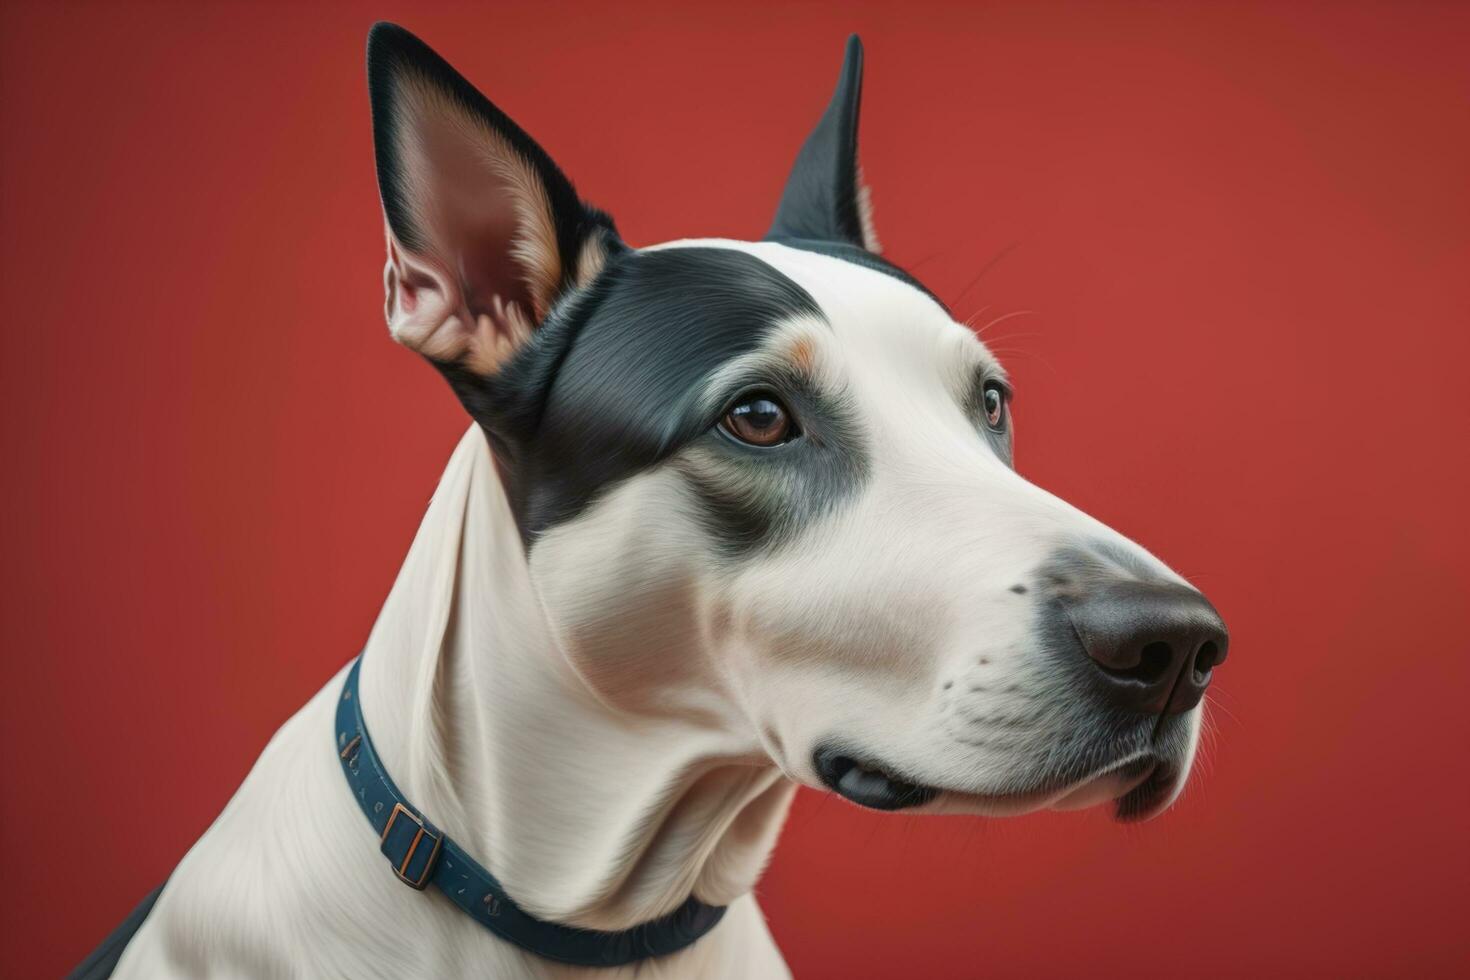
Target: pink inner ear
(403,291)
(485,265)
(465,208)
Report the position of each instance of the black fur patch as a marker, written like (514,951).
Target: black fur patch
(758,498)
(614,383)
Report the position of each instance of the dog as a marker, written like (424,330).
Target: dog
(730,517)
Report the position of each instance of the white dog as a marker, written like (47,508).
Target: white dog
(731,517)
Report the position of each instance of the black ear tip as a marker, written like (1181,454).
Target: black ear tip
(384,36)
(389,44)
(852,61)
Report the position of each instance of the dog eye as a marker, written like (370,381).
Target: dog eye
(759,420)
(995,405)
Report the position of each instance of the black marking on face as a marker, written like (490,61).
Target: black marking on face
(614,382)
(756,497)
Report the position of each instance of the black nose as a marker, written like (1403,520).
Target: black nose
(1155,644)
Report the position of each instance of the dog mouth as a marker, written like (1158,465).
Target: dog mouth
(1139,789)
(868,784)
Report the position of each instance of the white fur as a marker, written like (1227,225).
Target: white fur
(616,722)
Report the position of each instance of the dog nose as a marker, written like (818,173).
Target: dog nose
(1155,644)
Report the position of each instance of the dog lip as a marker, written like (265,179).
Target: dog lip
(1141,787)
(867,783)
(1111,783)
(1150,797)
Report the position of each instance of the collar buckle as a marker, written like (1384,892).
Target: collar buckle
(404,843)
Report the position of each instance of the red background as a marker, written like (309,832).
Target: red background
(1243,236)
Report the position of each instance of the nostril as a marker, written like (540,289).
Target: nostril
(1205,661)
(1149,667)
(1153,662)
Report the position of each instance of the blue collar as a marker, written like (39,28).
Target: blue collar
(420,853)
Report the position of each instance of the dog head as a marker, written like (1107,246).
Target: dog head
(767,487)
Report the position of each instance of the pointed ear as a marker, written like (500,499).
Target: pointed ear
(825,197)
(484,232)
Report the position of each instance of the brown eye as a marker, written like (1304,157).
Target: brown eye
(758,420)
(995,405)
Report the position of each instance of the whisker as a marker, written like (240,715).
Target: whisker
(1216,701)
(1003,319)
(1022,352)
(970,320)
(983,270)
(928,257)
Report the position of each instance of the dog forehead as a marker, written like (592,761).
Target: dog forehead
(879,317)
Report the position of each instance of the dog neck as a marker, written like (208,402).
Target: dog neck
(588,815)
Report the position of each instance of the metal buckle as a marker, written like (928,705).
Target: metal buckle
(418,838)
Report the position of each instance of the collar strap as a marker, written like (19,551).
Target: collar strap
(420,854)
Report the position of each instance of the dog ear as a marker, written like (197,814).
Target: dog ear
(825,198)
(484,232)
